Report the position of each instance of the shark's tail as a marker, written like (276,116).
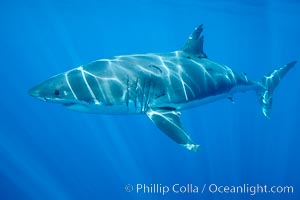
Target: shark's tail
(268,85)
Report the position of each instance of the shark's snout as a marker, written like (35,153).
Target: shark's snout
(55,89)
(33,92)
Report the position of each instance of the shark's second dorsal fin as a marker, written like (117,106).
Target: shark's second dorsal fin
(194,44)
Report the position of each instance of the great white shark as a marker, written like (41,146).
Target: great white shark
(156,84)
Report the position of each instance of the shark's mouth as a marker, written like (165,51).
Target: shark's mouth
(69,104)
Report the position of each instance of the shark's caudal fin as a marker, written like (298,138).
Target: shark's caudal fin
(269,83)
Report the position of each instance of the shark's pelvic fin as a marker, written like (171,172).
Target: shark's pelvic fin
(269,83)
(168,121)
(194,44)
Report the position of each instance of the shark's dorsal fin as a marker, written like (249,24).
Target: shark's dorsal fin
(194,44)
(168,121)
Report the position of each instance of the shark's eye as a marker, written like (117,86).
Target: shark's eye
(56,92)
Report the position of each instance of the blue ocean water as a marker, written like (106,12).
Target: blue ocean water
(49,152)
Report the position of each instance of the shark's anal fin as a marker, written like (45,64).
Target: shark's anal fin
(230,98)
(168,121)
(194,44)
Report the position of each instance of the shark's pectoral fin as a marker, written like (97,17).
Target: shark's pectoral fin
(168,121)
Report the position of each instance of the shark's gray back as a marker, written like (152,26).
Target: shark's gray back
(137,82)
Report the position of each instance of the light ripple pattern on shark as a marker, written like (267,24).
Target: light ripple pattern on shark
(157,84)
